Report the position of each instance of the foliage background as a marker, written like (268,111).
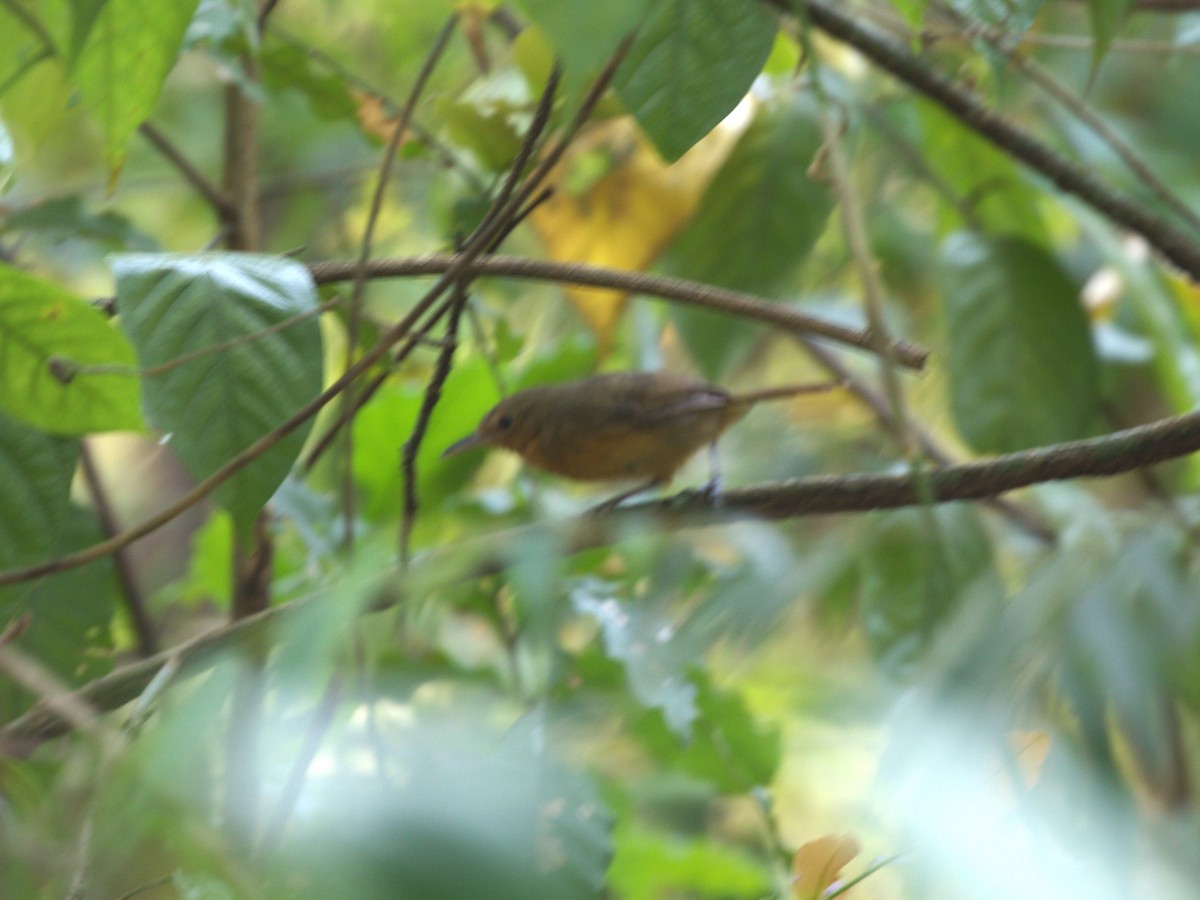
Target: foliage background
(976,699)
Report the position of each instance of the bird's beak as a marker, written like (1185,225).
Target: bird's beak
(470,442)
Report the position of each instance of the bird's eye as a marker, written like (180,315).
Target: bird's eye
(504,423)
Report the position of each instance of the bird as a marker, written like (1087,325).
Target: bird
(619,426)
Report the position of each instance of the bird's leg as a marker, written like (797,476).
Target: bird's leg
(716,485)
(613,502)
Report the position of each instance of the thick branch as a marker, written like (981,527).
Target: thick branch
(1111,454)
(832,18)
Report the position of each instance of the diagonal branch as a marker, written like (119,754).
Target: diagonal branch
(832,18)
(1122,451)
(681,290)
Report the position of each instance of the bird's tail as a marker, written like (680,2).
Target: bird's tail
(749,398)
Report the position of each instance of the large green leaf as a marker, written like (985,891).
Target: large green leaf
(231,359)
(690,65)
(1023,369)
(756,225)
(130,47)
(63,367)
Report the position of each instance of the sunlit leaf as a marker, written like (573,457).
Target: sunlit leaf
(123,63)
(64,368)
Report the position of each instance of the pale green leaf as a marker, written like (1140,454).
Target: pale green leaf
(131,47)
(63,367)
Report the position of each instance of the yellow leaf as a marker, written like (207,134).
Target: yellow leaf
(616,203)
(818,864)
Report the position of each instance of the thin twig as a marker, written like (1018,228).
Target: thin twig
(433,393)
(214,196)
(131,593)
(359,285)
(679,290)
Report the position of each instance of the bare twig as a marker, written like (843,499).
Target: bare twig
(360,280)
(680,290)
(212,195)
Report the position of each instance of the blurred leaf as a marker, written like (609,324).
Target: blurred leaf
(650,863)
(1013,16)
(238,360)
(83,18)
(915,566)
(727,747)
(756,225)
(123,63)
(35,486)
(70,612)
(584,35)
(690,64)
(1107,17)
(654,665)
(66,218)
(987,181)
(1023,369)
(472,816)
(288,66)
(487,132)
(818,864)
(63,367)
(1131,633)
(209,575)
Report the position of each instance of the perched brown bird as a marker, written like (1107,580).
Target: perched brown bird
(622,426)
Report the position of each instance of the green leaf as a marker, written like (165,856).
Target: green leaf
(756,225)
(650,863)
(35,487)
(63,367)
(914,567)
(1023,370)
(727,749)
(120,70)
(640,640)
(691,63)
(285,65)
(989,183)
(233,360)
(385,423)
(70,613)
(584,35)
(67,218)
(1107,17)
